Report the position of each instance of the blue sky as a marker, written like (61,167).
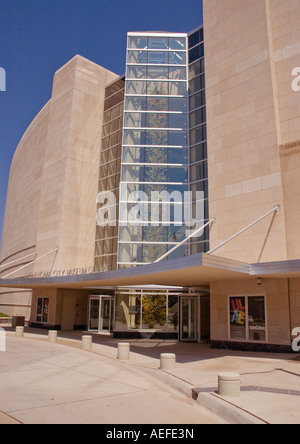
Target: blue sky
(37,37)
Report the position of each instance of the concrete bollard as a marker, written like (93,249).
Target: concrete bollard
(167,361)
(19,332)
(52,336)
(86,342)
(229,384)
(124,351)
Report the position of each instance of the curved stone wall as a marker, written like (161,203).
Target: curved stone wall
(53,184)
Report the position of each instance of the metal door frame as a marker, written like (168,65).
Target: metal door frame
(108,298)
(195,299)
(100,320)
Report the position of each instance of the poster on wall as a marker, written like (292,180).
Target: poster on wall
(237,318)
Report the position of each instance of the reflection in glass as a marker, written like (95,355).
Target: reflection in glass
(177,188)
(256,318)
(178,104)
(156,174)
(136,72)
(196,68)
(137,42)
(178,121)
(156,120)
(198,117)
(178,89)
(128,311)
(153,251)
(200,186)
(156,137)
(131,233)
(94,314)
(130,253)
(172,313)
(237,309)
(134,137)
(199,153)
(136,57)
(132,173)
(197,100)
(198,135)
(200,247)
(136,87)
(194,39)
(133,155)
(157,188)
(136,120)
(177,43)
(180,252)
(146,310)
(199,172)
(135,103)
(157,104)
(154,311)
(158,73)
(156,155)
(178,174)
(158,43)
(178,155)
(177,58)
(197,84)
(189,322)
(155,234)
(158,88)
(177,138)
(158,58)
(177,73)
(176,234)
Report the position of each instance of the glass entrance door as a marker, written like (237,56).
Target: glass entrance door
(94,311)
(189,330)
(100,313)
(105,318)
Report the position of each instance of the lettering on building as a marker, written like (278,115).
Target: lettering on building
(61,273)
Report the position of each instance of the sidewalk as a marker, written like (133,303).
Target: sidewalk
(270,382)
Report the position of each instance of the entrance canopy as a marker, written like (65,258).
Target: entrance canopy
(192,271)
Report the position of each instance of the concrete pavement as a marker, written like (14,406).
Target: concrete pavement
(42,383)
(270,382)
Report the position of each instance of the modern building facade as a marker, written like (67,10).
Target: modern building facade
(164,203)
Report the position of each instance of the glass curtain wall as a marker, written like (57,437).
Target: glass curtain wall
(151,309)
(110,171)
(155,157)
(197,124)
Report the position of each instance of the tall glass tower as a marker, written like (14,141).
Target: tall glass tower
(197,134)
(155,158)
